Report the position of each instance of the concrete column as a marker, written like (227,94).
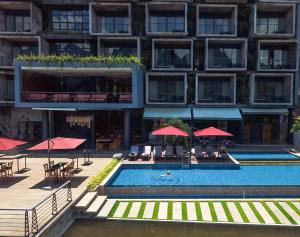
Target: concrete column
(241,132)
(127,135)
(44,124)
(51,121)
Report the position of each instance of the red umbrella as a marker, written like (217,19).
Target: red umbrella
(58,143)
(211,131)
(170,131)
(7,144)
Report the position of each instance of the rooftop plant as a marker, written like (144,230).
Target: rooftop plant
(66,58)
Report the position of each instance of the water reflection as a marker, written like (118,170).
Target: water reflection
(110,228)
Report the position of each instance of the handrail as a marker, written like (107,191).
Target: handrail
(29,221)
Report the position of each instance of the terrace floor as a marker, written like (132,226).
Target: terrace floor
(24,190)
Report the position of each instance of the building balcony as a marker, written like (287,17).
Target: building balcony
(271,89)
(274,19)
(165,19)
(110,19)
(166,88)
(215,89)
(11,47)
(7,88)
(20,17)
(119,46)
(216,20)
(172,54)
(78,85)
(226,1)
(226,54)
(277,55)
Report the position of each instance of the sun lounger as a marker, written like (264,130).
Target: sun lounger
(134,153)
(146,153)
(198,152)
(179,151)
(157,153)
(169,152)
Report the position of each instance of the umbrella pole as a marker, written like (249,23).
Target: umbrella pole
(49,187)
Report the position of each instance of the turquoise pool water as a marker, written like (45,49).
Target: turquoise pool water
(263,156)
(197,175)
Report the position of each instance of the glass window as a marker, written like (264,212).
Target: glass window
(27,49)
(217,25)
(274,58)
(113,24)
(67,20)
(167,24)
(226,57)
(18,21)
(79,49)
(270,25)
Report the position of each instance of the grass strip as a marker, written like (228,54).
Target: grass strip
(271,213)
(292,205)
(241,211)
(198,211)
(142,210)
(126,213)
(256,212)
(227,212)
(155,211)
(170,210)
(212,211)
(98,178)
(284,212)
(184,211)
(113,210)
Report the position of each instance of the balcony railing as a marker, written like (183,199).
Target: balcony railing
(215,99)
(271,65)
(271,98)
(77,97)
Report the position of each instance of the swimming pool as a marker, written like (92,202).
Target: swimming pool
(263,156)
(197,175)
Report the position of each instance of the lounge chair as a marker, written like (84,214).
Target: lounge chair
(146,153)
(157,153)
(198,152)
(179,151)
(169,152)
(134,153)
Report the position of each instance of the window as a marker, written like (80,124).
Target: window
(270,25)
(117,51)
(219,25)
(68,20)
(215,90)
(79,49)
(29,49)
(167,24)
(113,24)
(172,57)
(166,90)
(18,21)
(227,57)
(274,58)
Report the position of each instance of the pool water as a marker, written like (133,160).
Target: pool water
(246,175)
(263,156)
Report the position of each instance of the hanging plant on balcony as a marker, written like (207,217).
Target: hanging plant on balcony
(66,58)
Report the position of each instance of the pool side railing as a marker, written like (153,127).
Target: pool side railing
(29,221)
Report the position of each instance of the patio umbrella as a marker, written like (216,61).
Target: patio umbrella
(212,131)
(170,131)
(8,144)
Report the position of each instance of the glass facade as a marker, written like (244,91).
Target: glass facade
(166,90)
(272,90)
(113,24)
(166,24)
(224,57)
(17,21)
(274,58)
(72,48)
(172,57)
(270,25)
(70,21)
(214,25)
(215,90)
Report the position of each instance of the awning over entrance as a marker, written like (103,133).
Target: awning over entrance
(217,113)
(165,113)
(264,111)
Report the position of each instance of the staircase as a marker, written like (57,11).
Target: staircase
(93,205)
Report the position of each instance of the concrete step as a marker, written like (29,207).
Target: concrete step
(86,200)
(104,212)
(96,205)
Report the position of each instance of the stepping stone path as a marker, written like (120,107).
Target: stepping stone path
(256,213)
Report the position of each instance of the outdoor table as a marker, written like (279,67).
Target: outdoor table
(17,157)
(77,161)
(86,157)
(56,167)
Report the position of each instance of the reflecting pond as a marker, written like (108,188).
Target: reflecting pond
(113,228)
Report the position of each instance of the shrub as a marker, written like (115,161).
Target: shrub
(98,178)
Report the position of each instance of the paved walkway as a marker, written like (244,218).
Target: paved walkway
(231,211)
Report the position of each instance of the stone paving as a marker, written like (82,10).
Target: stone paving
(285,212)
